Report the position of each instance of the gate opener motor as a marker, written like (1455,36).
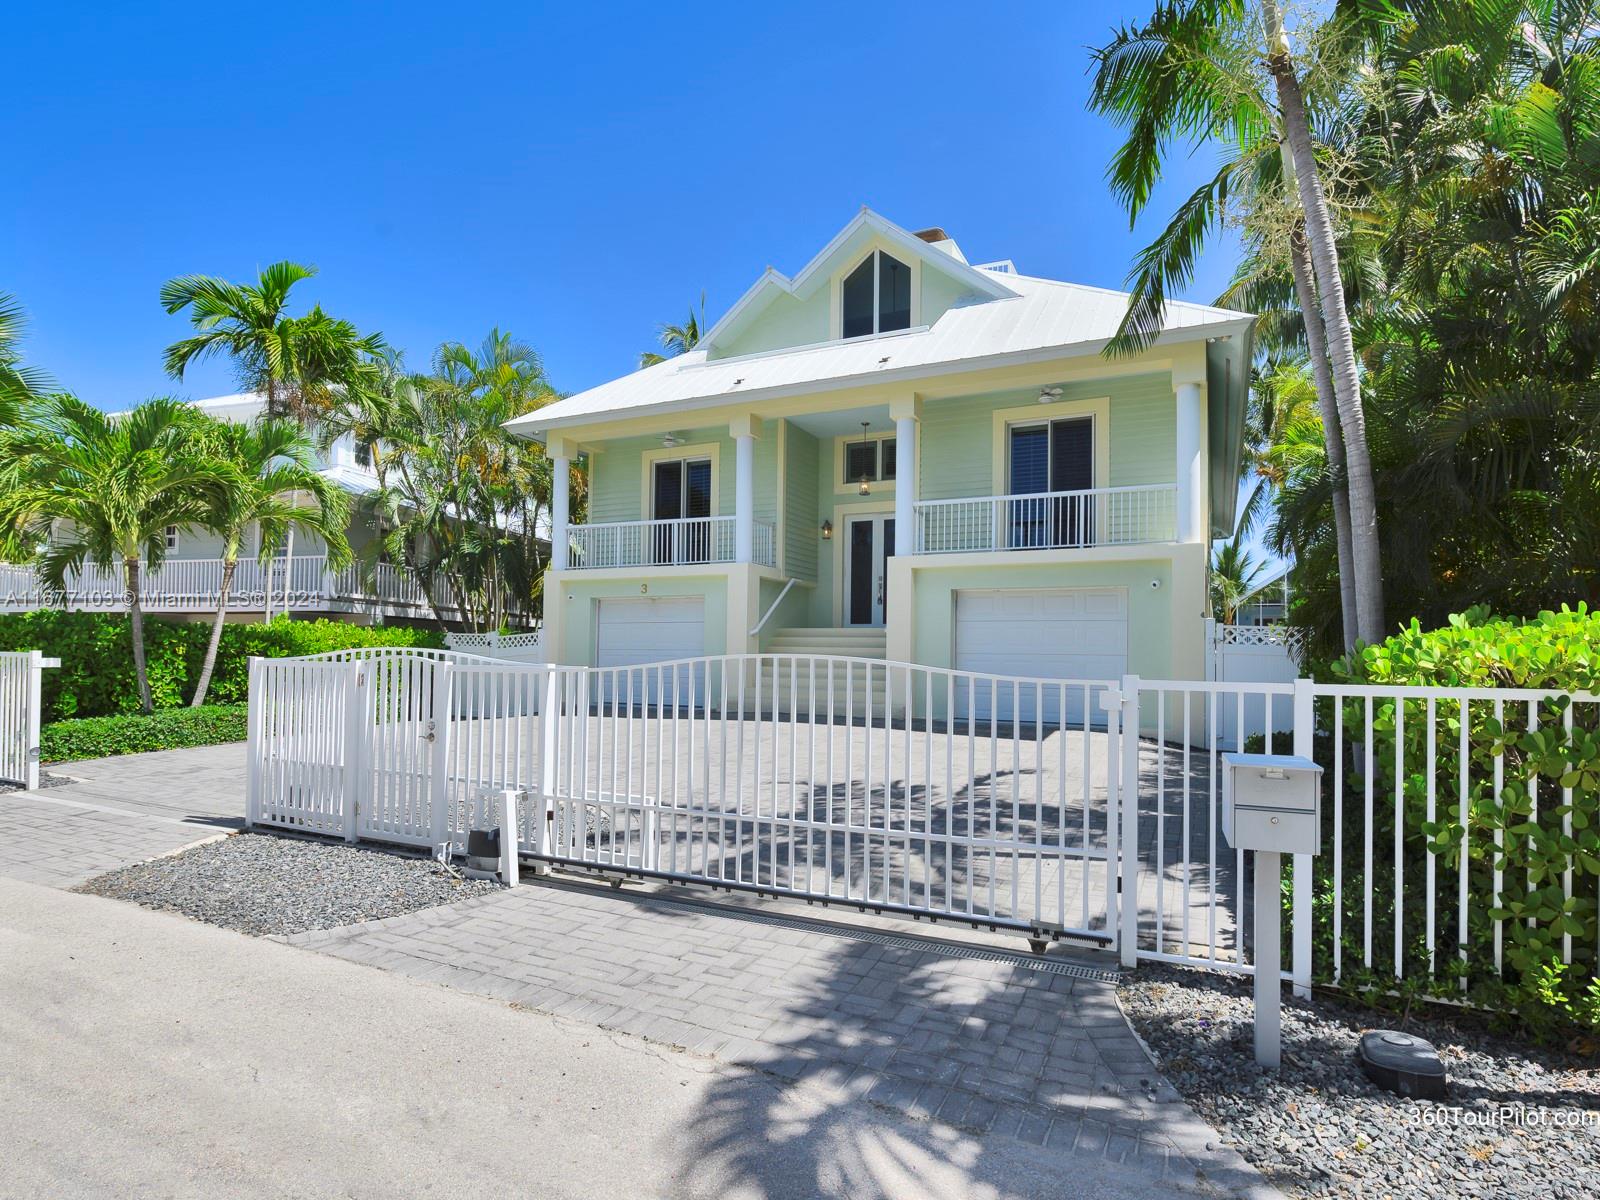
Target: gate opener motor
(492,851)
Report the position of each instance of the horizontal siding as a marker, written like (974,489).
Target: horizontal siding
(616,476)
(1144,431)
(800,504)
(958,435)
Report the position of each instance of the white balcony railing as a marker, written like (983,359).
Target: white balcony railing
(1118,516)
(303,582)
(682,542)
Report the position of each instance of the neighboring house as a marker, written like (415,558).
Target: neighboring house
(1268,601)
(296,580)
(898,453)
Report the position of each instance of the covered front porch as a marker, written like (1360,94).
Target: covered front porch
(826,492)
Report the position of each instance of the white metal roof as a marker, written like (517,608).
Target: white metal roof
(1045,319)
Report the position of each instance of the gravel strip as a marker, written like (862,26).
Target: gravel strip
(1320,1128)
(266,884)
(46,780)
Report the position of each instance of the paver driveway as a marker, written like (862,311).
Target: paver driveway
(815,1026)
(959,1034)
(118,811)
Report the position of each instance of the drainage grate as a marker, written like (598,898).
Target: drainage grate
(943,950)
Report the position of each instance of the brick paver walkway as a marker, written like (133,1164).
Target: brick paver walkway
(119,811)
(982,1041)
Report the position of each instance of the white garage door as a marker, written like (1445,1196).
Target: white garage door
(1049,633)
(651,629)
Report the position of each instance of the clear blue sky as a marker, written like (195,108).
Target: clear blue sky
(574,173)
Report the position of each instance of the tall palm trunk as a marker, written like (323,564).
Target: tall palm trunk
(141,672)
(1365,555)
(217,622)
(1328,409)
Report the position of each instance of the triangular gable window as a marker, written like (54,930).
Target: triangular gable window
(876,297)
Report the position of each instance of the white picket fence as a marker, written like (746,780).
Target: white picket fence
(1085,809)
(21,682)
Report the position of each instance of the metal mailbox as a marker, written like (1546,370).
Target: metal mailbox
(1272,802)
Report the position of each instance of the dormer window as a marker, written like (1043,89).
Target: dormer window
(876,297)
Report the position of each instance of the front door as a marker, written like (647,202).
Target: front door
(869,543)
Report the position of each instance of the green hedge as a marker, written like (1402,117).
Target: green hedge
(1534,855)
(171,729)
(96,653)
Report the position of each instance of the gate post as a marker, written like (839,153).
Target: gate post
(1111,701)
(1304,743)
(31,752)
(439,758)
(549,765)
(255,717)
(1128,933)
(355,747)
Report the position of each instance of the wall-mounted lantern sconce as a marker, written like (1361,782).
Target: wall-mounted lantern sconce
(827,531)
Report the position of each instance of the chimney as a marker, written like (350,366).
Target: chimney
(940,240)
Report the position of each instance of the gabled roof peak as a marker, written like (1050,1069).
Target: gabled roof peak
(944,257)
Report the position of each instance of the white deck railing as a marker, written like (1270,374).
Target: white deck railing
(193,584)
(1117,516)
(668,543)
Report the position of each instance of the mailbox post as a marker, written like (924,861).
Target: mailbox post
(1271,806)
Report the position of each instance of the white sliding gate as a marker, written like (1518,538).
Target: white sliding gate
(21,682)
(898,788)
(848,781)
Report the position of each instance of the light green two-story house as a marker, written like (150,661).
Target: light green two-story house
(896,453)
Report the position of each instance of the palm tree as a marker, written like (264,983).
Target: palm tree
(1192,71)
(273,485)
(109,487)
(1365,551)
(300,363)
(1234,572)
(18,383)
(677,339)
(462,501)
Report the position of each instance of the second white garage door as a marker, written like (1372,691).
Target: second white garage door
(1049,633)
(649,629)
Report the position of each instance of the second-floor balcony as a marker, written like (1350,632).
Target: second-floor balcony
(685,541)
(1120,516)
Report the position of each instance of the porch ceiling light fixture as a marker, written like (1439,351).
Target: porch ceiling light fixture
(1047,394)
(865,489)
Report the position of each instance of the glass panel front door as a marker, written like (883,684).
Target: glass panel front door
(869,544)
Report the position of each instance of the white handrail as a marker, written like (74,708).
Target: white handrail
(772,608)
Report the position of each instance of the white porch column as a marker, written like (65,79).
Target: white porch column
(560,470)
(1190,476)
(743,431)
(905,411)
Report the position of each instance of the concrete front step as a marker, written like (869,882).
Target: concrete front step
(850,687)
(853,642)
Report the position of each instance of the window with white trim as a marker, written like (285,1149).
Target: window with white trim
(172,538)
(876,297)
(871,460)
